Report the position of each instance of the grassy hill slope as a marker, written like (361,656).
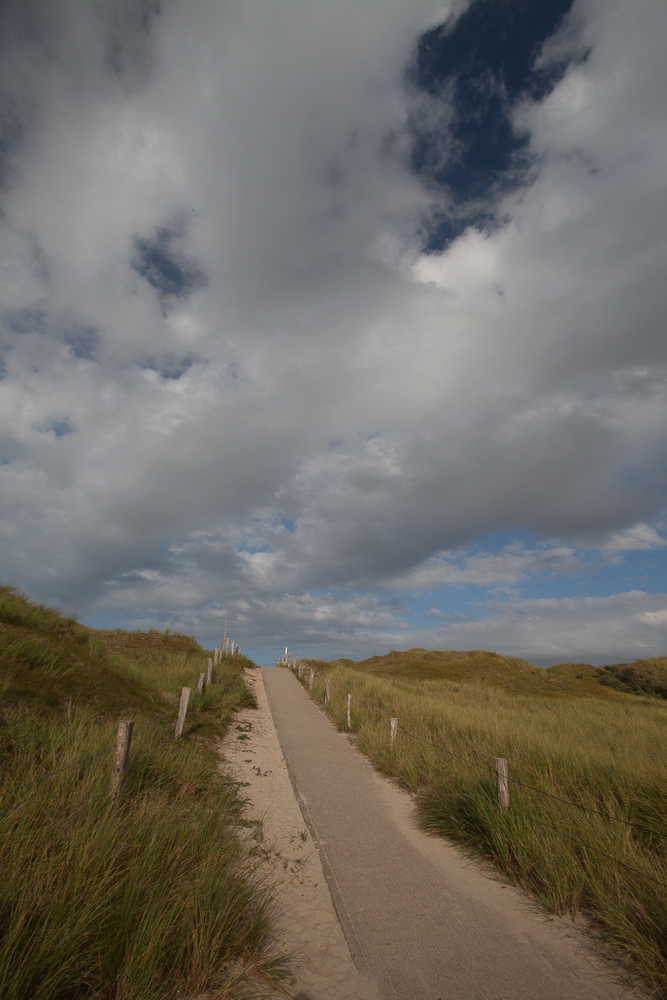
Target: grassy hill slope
(585,830)
(150,895)
(517,676)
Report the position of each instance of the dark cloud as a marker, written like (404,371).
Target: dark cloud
(10,449)
(24,41)
(170,366)
(83,340)
(163,262)
(61,427)
(129,43)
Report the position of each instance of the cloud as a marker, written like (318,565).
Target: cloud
(233,359)
(508,566)
(162,261)
(639,536)
(598,630)
(484,60)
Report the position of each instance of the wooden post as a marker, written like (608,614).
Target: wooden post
(312,678)
(349,711)
(327,691)
(121,755)
(216,656)
(201,686)
(394,731)
(300,671)
(209,677)
(183,707)
(503,783)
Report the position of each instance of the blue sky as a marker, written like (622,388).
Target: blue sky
(350,316)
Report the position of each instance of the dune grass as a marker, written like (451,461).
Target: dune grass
(149,896)
(605,752)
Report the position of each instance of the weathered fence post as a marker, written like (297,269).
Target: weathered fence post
(183,707)
(210,671)
(300,670)
(503,783)
(201,686)
(327,691)
(394,730)
(349,711)
(312,678)
(121,755)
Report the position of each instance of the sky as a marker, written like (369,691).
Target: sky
(349,318)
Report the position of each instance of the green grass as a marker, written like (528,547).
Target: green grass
(512,674)
(570,737)
(150,896)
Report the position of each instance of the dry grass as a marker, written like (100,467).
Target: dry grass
(147,897)
(604,751)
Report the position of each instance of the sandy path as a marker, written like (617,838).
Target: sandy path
(308,925)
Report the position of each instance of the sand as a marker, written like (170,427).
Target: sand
(306,924)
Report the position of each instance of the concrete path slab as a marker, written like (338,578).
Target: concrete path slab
(305,924)
(419,919)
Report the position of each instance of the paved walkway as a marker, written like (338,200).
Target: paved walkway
(304,922)
(419,920)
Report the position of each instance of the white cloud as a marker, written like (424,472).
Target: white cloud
(510,565)
(352,413)
(621,627)
(639,536)
(598,630)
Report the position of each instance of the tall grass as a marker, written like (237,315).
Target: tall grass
(145,897)
(608,756)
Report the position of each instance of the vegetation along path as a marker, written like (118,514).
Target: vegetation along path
(418,918)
